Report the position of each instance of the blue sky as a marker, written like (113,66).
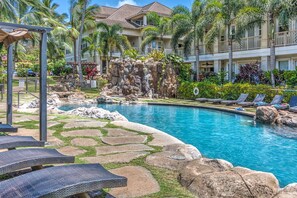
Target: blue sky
(64,4)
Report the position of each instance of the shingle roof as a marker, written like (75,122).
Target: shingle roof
(122,14)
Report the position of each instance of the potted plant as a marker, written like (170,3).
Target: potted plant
(91,73)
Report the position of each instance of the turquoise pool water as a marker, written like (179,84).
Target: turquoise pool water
(217,134)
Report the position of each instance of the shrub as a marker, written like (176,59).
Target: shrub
(291,78)
(251,73)
(156,55)
(229,91)
(131,53)
(21,72)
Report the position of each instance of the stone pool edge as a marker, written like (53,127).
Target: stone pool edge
(244,113)
(164,140)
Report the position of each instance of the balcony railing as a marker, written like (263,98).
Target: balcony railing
(286,38)
(248,43)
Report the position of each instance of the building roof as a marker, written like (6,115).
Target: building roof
(123,14)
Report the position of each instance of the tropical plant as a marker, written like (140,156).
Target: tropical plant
(156,55)
(189,26)
(256,12)
(156,31)
(221,15)
(93,45)
(112,39)
(131,53)
(91,72)
(251,73)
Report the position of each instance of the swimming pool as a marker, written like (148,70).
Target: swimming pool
(218,134)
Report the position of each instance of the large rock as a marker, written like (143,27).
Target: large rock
(267,114)
(174,157)
(95,112)
(288,118)
(290,191)
(216,178)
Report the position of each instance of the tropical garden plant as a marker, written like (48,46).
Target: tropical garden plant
(257,12)
(189,26)
(221,15)
(156,30)
(94,46)
(112,39)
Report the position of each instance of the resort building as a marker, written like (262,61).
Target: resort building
(254,47)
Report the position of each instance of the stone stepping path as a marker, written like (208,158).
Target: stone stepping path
(116,158)
(140,182)
(119,132)
(103,150)
(137,139)
(71,151)
(84,123)
(163,139)
(83,142)
(86,132)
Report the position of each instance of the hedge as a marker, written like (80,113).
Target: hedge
(230,91)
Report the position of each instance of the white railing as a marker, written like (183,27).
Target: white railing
(248,43)
(286,38)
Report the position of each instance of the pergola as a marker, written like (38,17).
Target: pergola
(43,73)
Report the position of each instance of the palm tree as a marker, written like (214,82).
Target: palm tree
(189,26)
(221,15)
(93,46)
(158,29)
(82,18)
(112,39)
(257,12)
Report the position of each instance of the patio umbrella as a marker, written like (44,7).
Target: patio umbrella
(10,37)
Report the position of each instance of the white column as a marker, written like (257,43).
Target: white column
(217,66)
(144,20)
(265,63)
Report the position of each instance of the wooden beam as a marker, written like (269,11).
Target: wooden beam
(43,88)
(9,84)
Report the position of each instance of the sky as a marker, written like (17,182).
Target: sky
(64,4)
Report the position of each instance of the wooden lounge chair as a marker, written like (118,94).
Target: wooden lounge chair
(7,128)
(276,100)
(61,181)
(258,98)
(11,161)
(12,142)
(240,99)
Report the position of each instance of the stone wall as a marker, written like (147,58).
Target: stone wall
(138,78)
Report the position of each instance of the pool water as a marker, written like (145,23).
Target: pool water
(217,134)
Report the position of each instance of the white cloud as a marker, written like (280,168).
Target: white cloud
(123,2)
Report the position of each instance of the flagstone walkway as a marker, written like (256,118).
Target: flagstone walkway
(122,147)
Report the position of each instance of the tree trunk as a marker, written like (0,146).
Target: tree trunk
(272,61)
(230,67)
(80,73)
(197,54)
(74,51)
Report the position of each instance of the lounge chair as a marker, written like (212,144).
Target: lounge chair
(12,142)
(11,161)
(61,181)
(258,98)
(7,128)
(202,100)
(293,104)
(215,101)
(276,100)
(241,98)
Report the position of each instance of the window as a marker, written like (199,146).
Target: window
(139,22)
(154,45)
(251,32)
(283,65)
(295,64)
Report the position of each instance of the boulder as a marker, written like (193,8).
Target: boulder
(216,178)
(288,118)
(289,191)
(174,157)
(267,114)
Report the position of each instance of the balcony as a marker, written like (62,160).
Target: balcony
(286,38)
(248,43)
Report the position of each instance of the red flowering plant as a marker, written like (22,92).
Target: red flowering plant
(91,72)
